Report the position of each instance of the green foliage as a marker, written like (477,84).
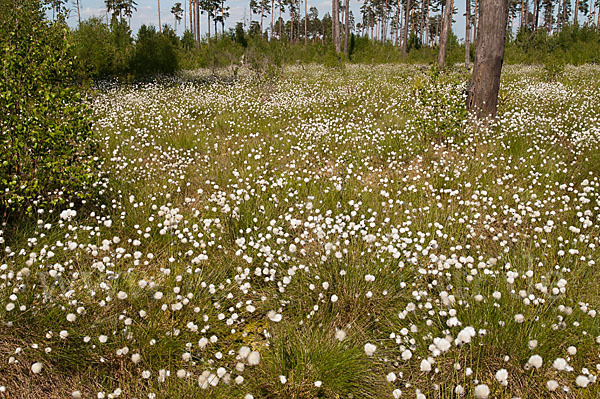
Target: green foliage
(440,110)
(46,146)
(109,50)
(553,68)
(154,52)
(103,50)
(240,36)
(572,45)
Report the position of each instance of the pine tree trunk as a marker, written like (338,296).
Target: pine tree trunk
(476,18)
(446,27)
(305,21)
(78,13)
(335,21)
(489,55)
(576,13)
(191,16)
(398,29)
(427,23)
(468,34)
(405,38)
(521,15)
(262,12)
(159,25)
(197,12)
(346,27)
(559,16)
(272,17)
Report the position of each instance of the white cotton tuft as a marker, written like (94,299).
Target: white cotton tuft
(37,367)
(535,361)
(370,349)
(482,391)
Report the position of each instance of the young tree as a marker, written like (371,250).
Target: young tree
(489,55)
(446,28)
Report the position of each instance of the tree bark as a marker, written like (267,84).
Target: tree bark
(78,13)
(346,27)
(475,19)
(405,38)
(398,27)
(335,22)
(305,21)
(446,27)
(576,13)
(468,34)
(159,25)
(197,7)
(262,13)
(489,55)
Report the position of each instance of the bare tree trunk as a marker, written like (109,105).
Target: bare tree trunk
(197,7)
(335,18)
(536,14)
(346,27)
(575,15)
(476,18)
(262,13)
(159,25)
(427,23)
(78,13)
(489,55)
(272,16)
(446,27)
(559,16)
(305,21)
(405,38)
(468,35)
(191,16)
(384,22)
(398,30)
(521,14)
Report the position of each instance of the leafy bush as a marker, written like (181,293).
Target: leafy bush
(101,49)
(553,68)
(46,146)
(440,110)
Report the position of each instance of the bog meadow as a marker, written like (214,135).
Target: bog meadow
(247,216)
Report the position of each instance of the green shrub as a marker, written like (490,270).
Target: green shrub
(101,50)
(46,146)
(155,53)
(440,110)
(554,68)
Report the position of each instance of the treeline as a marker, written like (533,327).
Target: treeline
(112,50)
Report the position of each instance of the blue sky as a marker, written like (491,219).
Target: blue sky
(147,13)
